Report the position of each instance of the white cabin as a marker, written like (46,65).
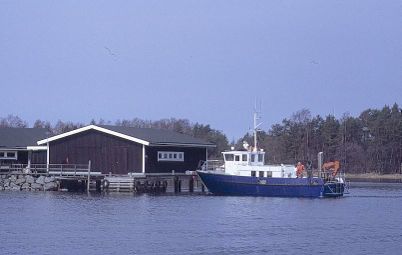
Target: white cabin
(251,163)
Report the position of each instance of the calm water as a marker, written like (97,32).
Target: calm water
(368,221)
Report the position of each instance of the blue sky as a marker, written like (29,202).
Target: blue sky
(206,61)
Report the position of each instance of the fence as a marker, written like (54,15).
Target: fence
(50,169)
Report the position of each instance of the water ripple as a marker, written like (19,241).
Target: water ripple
(365,222)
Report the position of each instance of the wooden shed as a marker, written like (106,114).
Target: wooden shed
(123,150)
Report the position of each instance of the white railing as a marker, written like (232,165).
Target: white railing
(212,165)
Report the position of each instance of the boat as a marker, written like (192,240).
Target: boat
(243,173)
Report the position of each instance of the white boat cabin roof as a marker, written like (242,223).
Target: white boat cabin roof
(252,158)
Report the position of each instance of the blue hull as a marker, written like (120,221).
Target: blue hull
(220,184)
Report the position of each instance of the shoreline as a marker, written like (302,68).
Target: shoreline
(373,177)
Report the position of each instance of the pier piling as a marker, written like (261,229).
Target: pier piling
(89,175)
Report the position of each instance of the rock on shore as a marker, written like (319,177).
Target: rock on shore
(27,182)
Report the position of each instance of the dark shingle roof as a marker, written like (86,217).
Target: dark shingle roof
(158,136)
(21,137)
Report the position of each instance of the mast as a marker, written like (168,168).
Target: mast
(255,129)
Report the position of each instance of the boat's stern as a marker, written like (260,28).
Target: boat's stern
(334,189)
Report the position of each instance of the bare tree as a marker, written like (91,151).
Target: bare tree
(13,121)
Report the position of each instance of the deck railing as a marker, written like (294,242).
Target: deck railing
(51,169)
(212,165)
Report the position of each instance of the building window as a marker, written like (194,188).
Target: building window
(8,155)
(253,173)
(12,154)
(170,156)
(261,173)
(269,173)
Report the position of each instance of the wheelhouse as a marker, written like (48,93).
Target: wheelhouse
(251,158)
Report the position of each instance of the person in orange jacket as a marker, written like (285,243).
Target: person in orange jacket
(299,170)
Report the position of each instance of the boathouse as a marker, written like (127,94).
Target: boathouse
(123,150)
(19,146)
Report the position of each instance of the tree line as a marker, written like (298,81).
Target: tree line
(371,142)
(183,126)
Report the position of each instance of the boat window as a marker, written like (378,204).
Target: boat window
(229,157)
(253,173)
(252,158)
(244,157)
(261,174)
(237,157)
(260,157)
(269,173)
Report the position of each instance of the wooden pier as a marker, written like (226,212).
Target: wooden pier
(79,177)
(154,183)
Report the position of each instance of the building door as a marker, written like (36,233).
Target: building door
(119,160)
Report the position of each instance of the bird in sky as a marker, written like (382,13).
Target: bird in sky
(111,53)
